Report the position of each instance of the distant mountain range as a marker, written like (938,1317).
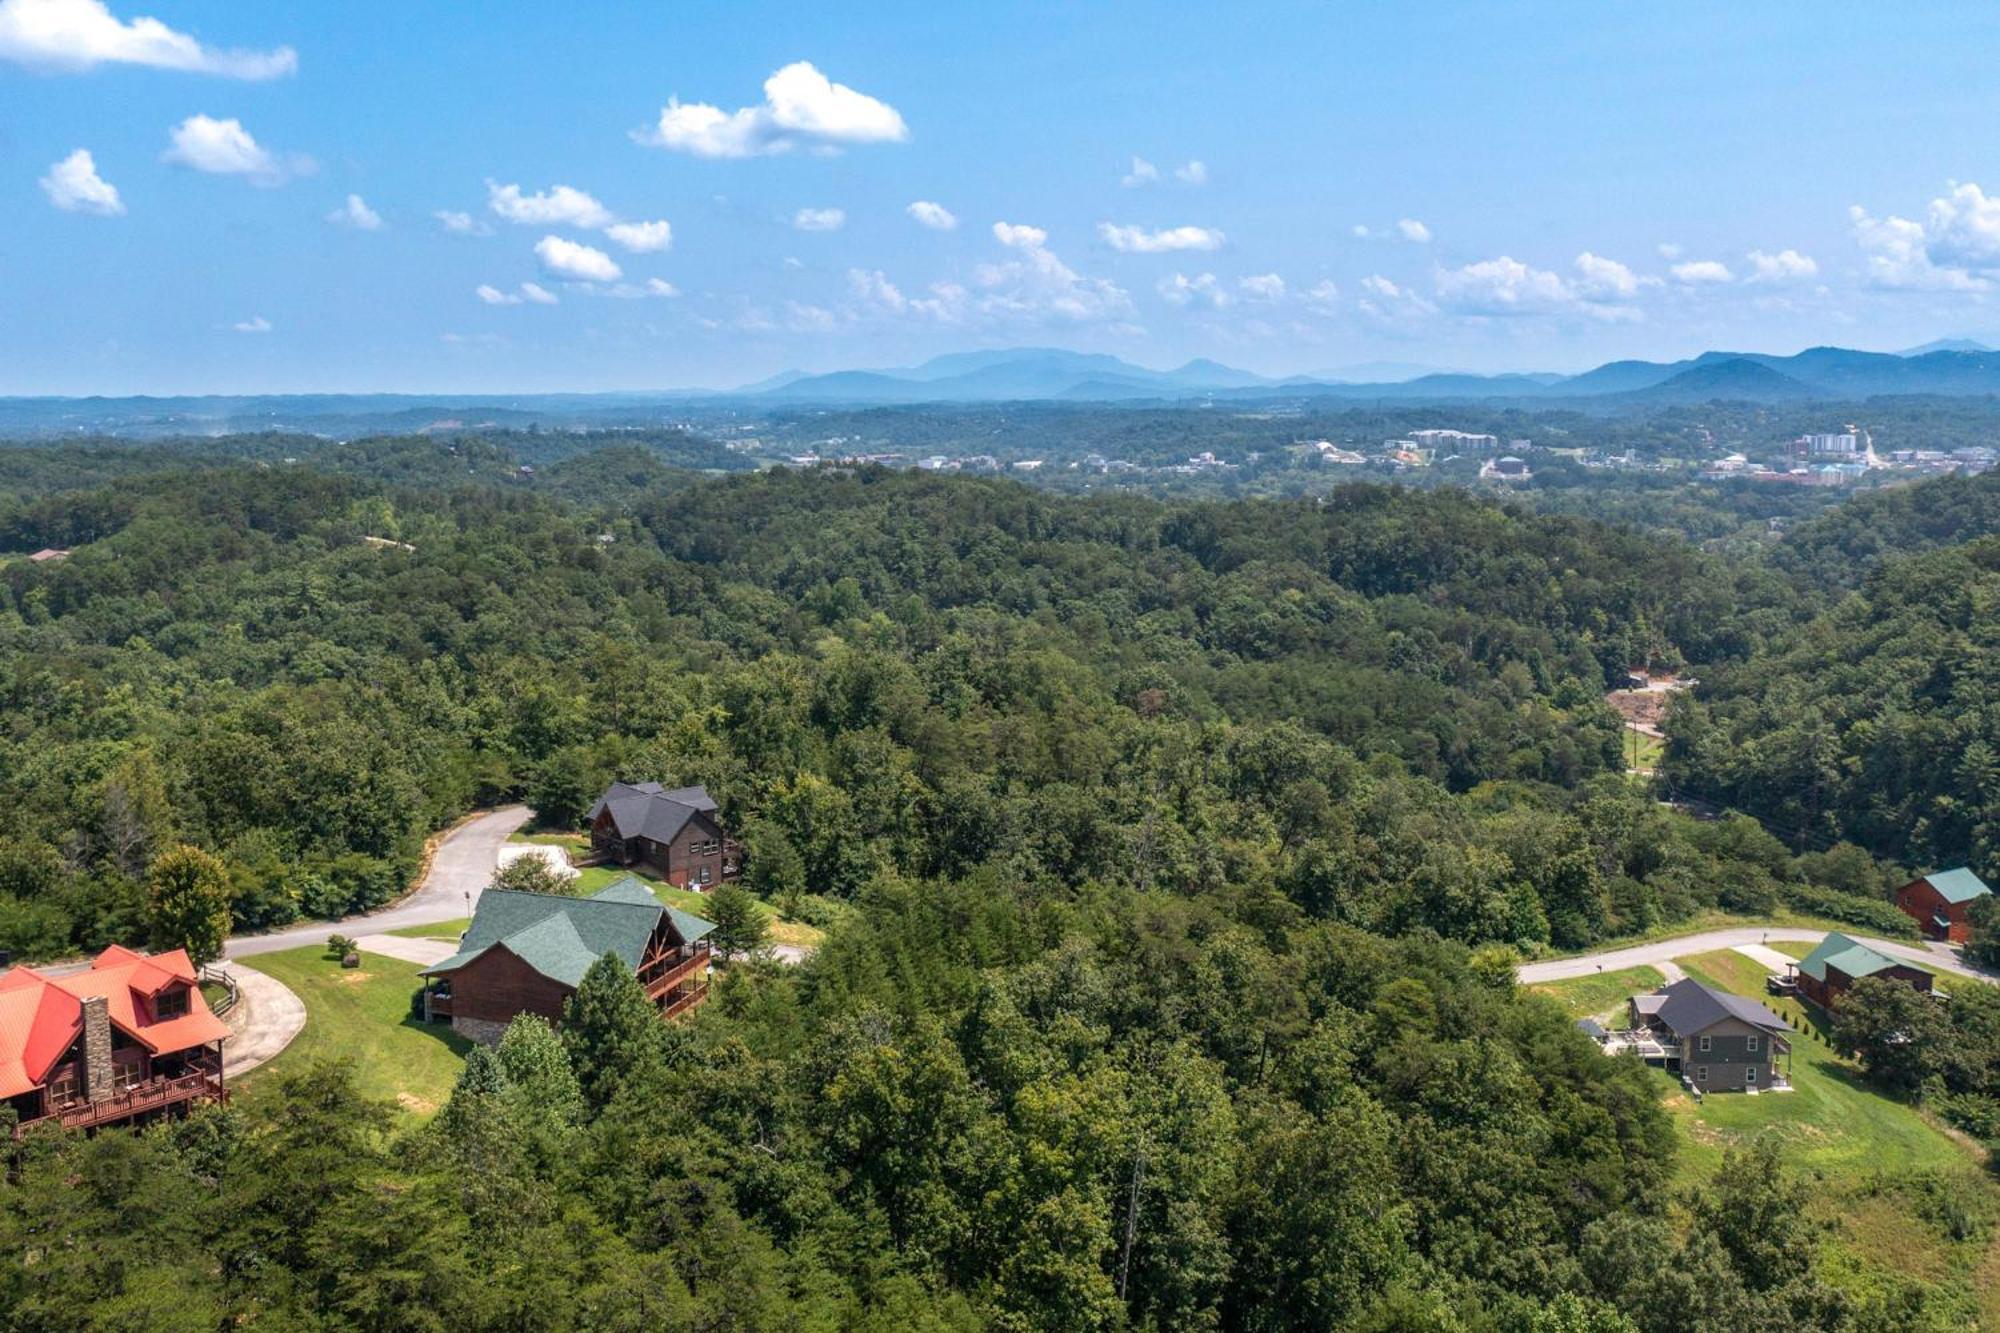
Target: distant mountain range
(1949,367)
(1952,367)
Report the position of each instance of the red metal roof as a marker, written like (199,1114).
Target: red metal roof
(41,1016)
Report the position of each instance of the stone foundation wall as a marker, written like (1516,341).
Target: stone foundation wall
(484,1031)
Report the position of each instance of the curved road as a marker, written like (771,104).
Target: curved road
(268,1015)
(461,868)
(1935,956)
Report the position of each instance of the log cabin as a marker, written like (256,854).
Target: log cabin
(128,1039)
(675,834)
(1837,962)
(1938,902)
(526,953)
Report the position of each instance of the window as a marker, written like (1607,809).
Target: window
(1750,1044)
(171,1003)
(1701,1074)
(1750,1076)
(1704,1045)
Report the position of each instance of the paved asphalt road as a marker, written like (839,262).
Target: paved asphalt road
(1934,956)
(461,869)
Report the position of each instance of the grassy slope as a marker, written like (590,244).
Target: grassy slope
(1705,921)
(436,930)
(1862,1151)
(1599,994)
(362,1014)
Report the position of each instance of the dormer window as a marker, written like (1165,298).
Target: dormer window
(171,1003)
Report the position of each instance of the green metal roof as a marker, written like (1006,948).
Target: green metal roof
(1848,955)
(1958,886)
(561,937)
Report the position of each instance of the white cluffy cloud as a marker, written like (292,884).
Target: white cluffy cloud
(1702,272)
(567,206)
(1019,236)
(1193,172)
(559,206)
(1137,240)
(1204,289)
(81,34)
(818,219)
(1262,287)
(1601,289)
(935,216)
(461,224)
(575,261)
(1956,247)
(1037,286)
(642,238)
(1598,277)
(1412,230)
(254,324)
(1784,266)
(225,148)
(357,214)
(74,186)
(530,292)
(801,108)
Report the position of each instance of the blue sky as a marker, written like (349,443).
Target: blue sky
(263,202)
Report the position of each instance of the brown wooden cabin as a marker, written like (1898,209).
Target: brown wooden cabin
(673,833)
(129,1038)
(526,953)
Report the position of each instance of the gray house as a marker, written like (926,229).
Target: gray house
(1721,1042)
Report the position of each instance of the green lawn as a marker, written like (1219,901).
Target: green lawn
(1601,992)
(436,930)
(575,842)
(782,930)
(362,1014)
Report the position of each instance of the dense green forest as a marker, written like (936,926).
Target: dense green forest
(1387,702)
(1187,844)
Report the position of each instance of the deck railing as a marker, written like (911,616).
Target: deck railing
(152,1095)
(662,982)
(685,1001)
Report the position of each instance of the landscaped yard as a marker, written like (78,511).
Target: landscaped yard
(782,930)
(362,1014)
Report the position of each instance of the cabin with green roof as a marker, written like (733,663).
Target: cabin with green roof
(1838,961)
(527,953)
(1939,902)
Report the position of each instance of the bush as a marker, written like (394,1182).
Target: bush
(1873,914)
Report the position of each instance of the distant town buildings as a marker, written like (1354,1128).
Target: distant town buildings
(1453,441)
(1508,468)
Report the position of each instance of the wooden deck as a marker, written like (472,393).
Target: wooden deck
(153,1095)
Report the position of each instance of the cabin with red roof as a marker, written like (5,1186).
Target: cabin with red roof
(128,1038)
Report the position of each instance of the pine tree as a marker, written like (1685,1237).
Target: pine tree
(740,927)
(610,1029)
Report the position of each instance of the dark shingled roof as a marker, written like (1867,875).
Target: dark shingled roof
(1688,1007)
(648,810)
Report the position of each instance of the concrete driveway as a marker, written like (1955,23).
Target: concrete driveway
(460,870)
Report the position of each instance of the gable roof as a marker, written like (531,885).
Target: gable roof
(41,1016)
(1688,1007)
(1850,956)
(648,810)
(560,937)
(1957,886)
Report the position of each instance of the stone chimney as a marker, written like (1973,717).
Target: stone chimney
(97,1081)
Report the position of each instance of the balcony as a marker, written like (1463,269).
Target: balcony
(672,973)
(139,1099)
(685,1000)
